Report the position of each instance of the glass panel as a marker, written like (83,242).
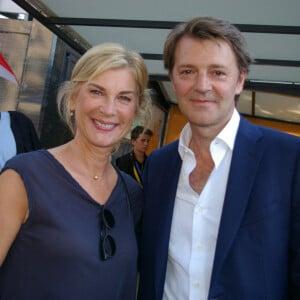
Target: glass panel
(244,105)
(279,107)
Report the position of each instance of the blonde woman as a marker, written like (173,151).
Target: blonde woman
(67,217)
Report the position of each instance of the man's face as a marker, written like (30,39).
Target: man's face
(141,143)
(205,79)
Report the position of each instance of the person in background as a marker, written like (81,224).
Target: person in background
(222,204)
(133,162)
(67,216)
(18,135)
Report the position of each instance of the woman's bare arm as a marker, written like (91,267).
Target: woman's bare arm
(13,209)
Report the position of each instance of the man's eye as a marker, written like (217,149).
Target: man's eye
(186,72)
(219,73)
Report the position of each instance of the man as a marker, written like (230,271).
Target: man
(17,135)
(222,211)
(134,161)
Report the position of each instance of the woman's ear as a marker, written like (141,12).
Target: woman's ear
(72,104)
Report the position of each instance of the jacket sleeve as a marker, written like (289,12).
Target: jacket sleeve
(295,237)
(24,132)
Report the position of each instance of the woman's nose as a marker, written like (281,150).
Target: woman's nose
(108,106)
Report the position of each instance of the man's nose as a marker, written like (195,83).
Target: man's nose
(202,82)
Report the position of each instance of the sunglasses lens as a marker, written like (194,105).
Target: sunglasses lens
(108,219)
(107,243)
(108,247)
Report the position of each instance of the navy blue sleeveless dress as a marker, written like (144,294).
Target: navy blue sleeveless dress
(56,253)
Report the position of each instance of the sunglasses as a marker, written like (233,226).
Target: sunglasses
(107,243)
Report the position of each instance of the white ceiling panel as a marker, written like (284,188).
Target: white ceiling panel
(139,39)
(270,12)
(271,28)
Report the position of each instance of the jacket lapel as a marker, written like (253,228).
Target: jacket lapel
(246,156)
(160,184)
(171,163)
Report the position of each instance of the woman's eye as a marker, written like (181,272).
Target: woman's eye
(125,98)
(96,92)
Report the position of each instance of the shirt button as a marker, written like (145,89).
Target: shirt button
(200,209)
(199,247)
(196,284)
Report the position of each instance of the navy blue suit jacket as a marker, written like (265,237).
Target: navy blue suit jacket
(258,246)
(24,132)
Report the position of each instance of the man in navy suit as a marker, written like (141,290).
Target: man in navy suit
(222,206)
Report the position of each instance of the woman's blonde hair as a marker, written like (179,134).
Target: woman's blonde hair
(97,60)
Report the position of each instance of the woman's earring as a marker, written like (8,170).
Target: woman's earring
(72,116)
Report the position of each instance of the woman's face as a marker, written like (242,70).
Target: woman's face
(105,108)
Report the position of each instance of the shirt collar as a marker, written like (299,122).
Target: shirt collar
(227,134)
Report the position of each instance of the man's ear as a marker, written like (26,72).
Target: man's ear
(171,80)
(241,81)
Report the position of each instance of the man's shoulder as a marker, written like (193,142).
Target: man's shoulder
(166,155)
(16,115)
(125,157)
(20,121)
(167,149)
(124,162)
(268,136)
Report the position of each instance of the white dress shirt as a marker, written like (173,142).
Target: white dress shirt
(196,218)
(8,146)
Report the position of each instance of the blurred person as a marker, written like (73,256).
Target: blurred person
(67,216)
(18,135)
(133,162)
(222,204)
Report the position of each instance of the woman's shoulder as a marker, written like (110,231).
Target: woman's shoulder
(131,184)
(134,193)
(26,156)
(26,160)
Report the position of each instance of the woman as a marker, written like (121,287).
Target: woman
(66,216)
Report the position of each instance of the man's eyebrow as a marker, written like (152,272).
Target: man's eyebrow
(185,66)
(218,66)
(193,66)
